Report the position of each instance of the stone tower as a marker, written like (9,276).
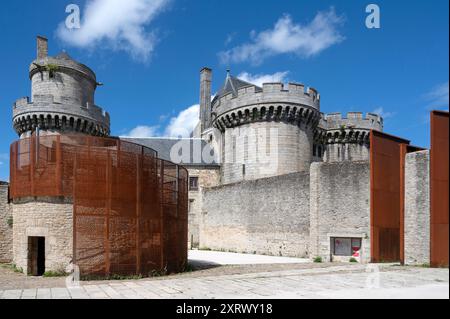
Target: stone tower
(62,98)
(340,139)
(265,131)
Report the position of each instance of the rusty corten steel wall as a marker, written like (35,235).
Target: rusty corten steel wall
(439,208)
(129,207)
(386,196)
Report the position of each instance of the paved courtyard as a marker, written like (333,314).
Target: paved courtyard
(255,281)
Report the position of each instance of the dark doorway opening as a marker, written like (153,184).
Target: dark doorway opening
(36,256)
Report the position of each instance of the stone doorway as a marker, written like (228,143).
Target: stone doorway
(36,256)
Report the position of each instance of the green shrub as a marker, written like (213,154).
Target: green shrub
(318,259)
(353,260)
(158,273)
(50,273)
(110,277)
(52,69)
(12,267)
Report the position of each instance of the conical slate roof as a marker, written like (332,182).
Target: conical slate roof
(64,56)
(232,84)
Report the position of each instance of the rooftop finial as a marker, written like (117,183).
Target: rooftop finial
(228,72)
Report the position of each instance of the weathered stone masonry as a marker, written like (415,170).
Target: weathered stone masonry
(265,216)
(6,230)
(52,220)
(339,206)
(417,208)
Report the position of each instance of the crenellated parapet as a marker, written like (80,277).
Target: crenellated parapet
(354,128)
(353,120)
(340,138)
(289,103)
(47,114)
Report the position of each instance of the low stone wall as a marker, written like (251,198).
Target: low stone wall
(266,216)
(417,208)
(6,231)
(340,206)
(51,220)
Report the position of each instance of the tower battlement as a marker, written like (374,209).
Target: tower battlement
(353,127)
(346,137)
(47,114)
(357,120)
(293,93)
(289,103)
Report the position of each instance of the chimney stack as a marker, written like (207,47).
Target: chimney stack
(42,47)
(205,98)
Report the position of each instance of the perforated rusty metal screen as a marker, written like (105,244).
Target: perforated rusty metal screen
(129,207)
(439,188)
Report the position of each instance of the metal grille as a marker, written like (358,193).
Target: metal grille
(129,207)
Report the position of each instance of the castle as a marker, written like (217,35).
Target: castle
(268,174)
(288,180)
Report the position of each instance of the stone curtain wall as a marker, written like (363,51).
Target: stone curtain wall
(6,231)
(340,206)
(266,216)
(417,208)
(40,219)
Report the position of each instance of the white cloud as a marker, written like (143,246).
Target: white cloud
(385,115)
(288,37)
(143,131)
(438,97)
(119,24)
(181,125)
(259,79)
(230,38)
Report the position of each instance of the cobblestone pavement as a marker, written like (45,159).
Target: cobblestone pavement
(315,281)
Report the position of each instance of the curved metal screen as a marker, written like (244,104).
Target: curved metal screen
(129,207)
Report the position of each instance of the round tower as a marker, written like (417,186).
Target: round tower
(266,131)
(339,138)
(62,98)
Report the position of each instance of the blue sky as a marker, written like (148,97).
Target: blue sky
(149,53)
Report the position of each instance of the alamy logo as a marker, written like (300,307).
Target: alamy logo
(252,148)
(73,19)
(373,279)
(373,20)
